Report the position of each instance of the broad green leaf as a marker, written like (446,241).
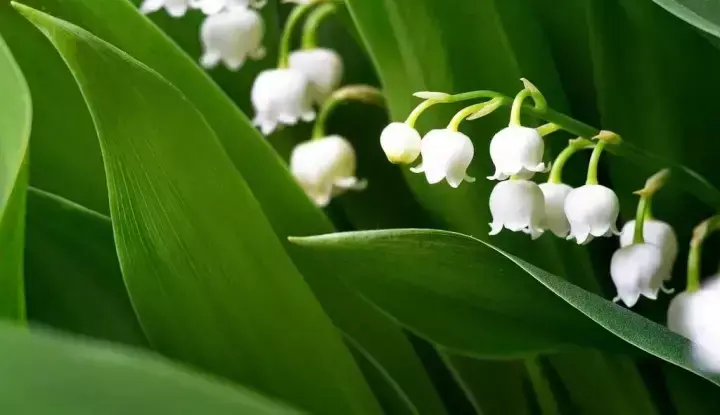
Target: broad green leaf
(702,14)
(15,120)
(60,132)
(72,275)
(454,283)
(287,208)
(50,374)
(209,280)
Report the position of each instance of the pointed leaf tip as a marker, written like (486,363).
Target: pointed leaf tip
(431,95)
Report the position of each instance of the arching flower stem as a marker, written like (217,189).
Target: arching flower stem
(573,147)
(296,15)
(652,185)
(362,93)
(309,34)
(700,233)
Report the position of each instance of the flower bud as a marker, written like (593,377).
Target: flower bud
(636,270)
(175,8)
(209,7)
(401,143)
(230,37)
(446,155)
(517,150)
(555,219)
(322,67)
(517,205)
(592,211)
(694,316)
(281,96)
(325,167)
(656,233)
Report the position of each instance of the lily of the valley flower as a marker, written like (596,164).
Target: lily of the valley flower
(656,233)
(175,8)
(446,155)
(555,219)
(517,205)
(281,96)
(517,150)
(325,167)
(694,315)
(592,211)
(322,67)
(401,143)
(231,36)
(637,270)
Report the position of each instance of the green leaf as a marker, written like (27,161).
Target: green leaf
(72,275)
(209,280)
(15,120)
(473,298)
(287,208)
(60,131)
(702,14)
(51,374)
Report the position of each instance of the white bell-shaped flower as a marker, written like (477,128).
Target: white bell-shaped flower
(325,167)
(231,36)
(517,150)
(175,8)
(636,270)
(658,233)
(592,211)
(401,143)
(209,7)
(517,205)
(694,315)
(446,155)
(281,96)
(322,67)
(555,219)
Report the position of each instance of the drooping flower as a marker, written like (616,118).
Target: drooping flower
(281,96)
(637,270)
(555,219)
(446,155)
(592,211)
(175,8)
(322,67)
(230,37)
(657,233)
(517,150)
(325,167)
(694,315)
(401,143)
(517,205)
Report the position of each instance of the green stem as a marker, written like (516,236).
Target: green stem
(293,20)
(701,232)
(478,110)
(541,386)
(594,162)
(564,156)
(362,93)
(517,107)
(309,35)
(548,129)
(640,215)
(415,114)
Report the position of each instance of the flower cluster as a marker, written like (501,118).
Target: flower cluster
(648,249)
(232,32)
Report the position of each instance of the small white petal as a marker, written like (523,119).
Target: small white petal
(555,195)
(150,6)
(282,96)
(515,150)
(518,205)
(593,210)
(446,155)
(401,143)
(325,167)
(659,234)
(634,270)
(233,34)
(322,67)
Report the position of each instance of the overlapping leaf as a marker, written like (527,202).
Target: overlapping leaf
(15,120)
(209,281)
